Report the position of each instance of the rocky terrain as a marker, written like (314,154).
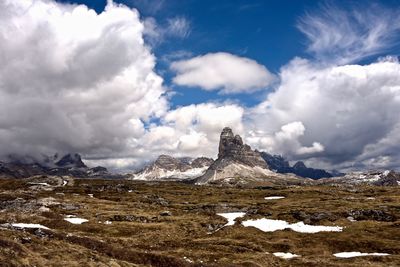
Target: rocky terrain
(91,222)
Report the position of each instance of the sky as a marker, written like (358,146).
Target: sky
(122,82)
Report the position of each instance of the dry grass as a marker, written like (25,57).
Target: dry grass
(140,236)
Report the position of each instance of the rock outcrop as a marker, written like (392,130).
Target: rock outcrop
(238,163)
(167,167)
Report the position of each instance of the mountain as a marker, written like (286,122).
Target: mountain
(71,161)
(381,178)
(167,167)
(68,165)
(238,163)
(281,165)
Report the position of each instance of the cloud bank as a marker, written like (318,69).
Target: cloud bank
(74,80)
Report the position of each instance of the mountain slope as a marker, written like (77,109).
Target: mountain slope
(167,167)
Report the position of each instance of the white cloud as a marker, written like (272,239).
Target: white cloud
(222,71)
(285,141)
(156,33)
(343,36)
(351,110)
(74,80)
(178,26)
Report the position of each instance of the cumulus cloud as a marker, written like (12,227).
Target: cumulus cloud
(74,80)
(285,141)
(222,71)
(350,110)
(342,36)
(194,130)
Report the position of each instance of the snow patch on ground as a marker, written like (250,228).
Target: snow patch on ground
(268,225)
(274,197)
(65,182)
(357,254)
(90,195)
(284,255)
(44,184)
(75,220)
(29,225)
(231,217)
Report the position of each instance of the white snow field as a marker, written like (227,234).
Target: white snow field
(268,225)
(285,255)
(274,197)
(357,254)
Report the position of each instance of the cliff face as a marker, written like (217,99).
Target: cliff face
(231,147)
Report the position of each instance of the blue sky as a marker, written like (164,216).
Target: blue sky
(262,30)
(311,80)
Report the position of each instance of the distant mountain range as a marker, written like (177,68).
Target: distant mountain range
(167,167)
(281,165)
(237,163)
(69,164)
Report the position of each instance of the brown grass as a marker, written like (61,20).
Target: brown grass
(140,236)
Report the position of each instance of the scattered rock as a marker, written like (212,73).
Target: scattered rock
(309,218)
(155,199)
(165,213)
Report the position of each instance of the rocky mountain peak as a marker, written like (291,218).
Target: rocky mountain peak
(169,163)
(299,165)
(71,160)
(235,159)
(232,147)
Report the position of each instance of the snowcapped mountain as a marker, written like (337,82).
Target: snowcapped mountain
(167,167)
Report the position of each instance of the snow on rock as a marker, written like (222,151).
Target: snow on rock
(357,254)
(75,220)
(90,195)
(284,255)
(29,225)
(159,173)
(274,197)
(65,182)
(268,225)
(351,219)
(231,217)
(44,184)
